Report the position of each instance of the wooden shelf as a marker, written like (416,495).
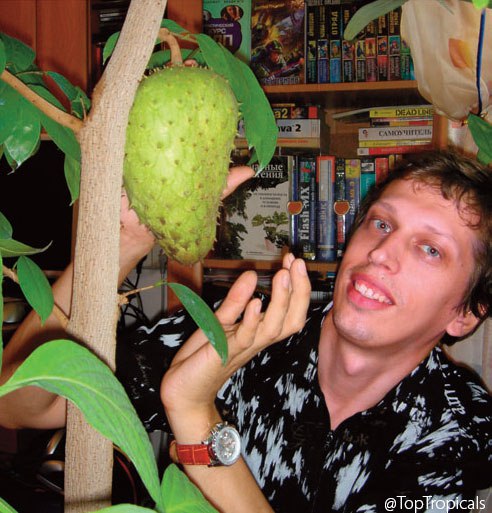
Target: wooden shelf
(348,94)
(264,265)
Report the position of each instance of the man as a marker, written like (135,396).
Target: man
(360,406)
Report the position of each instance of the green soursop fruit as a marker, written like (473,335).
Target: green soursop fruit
(179,139)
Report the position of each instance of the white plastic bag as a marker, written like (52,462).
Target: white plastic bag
(443,38)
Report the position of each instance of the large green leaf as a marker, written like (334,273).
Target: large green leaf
(368,13)
(125,508)
(203,316)
(180,495)
(72,371)
(6,230)
(62,136)
(12,248)
(259,120)
(6,508)
(10,105)
(24,136)
(1,309)
(35,287)
(172,26)
(72,170)
(19,56)
(481,132)
(109,46)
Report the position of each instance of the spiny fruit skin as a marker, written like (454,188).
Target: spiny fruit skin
(179,139)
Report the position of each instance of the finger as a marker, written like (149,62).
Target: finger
(237,298)
(246,331)
(287,260)
(274,319)
(300,297)
(237,175)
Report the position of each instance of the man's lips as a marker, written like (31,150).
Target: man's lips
(366,291)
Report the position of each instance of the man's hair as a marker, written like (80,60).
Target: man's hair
(467,183)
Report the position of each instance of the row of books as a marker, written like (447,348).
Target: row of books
(378,54)
(292,42)
(305,203)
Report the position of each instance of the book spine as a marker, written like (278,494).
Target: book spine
(370,43)
(406,62)
(386,150)
(424,121)
(294,206)
(409,111)
(326,237)
(298,128)
(367,175)
(381,167)
(352,189)
(394,45)
(307,218)
(382,47)
(388,143)
(341,206)
(348,47)
(311,36)
(360,61)
(293,111)
(335,41)
(323,52)
(395,133)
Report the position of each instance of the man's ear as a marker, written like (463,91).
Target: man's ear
(463,324)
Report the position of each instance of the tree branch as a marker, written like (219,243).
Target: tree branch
(167,37)
(44,106)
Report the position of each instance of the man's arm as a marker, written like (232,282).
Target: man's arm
(196,374)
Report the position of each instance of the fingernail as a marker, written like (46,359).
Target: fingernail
(302,268)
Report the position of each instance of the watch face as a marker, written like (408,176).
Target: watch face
(226,445)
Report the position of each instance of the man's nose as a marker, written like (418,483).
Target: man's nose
(388,253)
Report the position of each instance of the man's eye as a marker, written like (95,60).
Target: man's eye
(430,251)
(382,225)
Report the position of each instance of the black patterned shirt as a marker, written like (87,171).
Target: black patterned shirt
(429,439)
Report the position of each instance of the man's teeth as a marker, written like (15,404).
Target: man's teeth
(369,293)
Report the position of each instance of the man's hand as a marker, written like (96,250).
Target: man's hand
(196,374)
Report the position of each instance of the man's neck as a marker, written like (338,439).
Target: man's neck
(353,378)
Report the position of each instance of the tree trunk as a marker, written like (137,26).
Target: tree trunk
(88,470)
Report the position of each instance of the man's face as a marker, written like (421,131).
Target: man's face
(405,270)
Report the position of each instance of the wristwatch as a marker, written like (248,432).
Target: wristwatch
(222,447)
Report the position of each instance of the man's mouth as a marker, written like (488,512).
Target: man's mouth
(369,293)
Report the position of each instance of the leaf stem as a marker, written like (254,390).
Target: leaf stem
(44,106)
(166,36)
(57,311)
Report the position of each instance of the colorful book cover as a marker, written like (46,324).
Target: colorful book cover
(403,111)
(406,62)
(311,31)
(326,226)
(294,111)
(382,47)
(335,41)
(367,175)
(323,52)
(341,206)
(352,189)
(277,41)
(360,61)
(306,228)
(229,23)
(256,215)
(381,168)
(394,45)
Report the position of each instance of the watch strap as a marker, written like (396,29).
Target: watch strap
(190,454)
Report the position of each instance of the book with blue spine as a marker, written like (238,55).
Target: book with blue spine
(352,189)
(306,228)
(326,226)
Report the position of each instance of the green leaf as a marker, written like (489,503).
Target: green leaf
(172,26)
(481,132)
(481,4)
(368,13)
(79,101)
(72,371)
(11,162)
(10,104)
(109,46)
(5,228)
(259,121)
(180,495)
(62,136)
(6,508)
(124,508)
(13,248)
(19,56)
(71,168)
(203,316)
(35,287)
(160,58)
(3,57)
(24,137)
